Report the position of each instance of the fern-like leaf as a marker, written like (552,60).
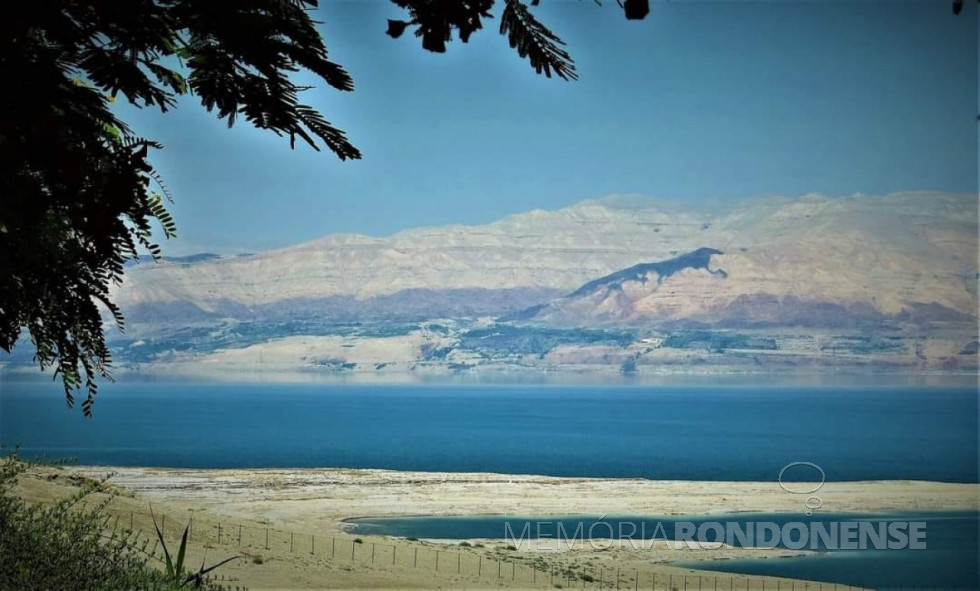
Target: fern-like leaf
(534,41)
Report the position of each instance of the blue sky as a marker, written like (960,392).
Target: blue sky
(702,101)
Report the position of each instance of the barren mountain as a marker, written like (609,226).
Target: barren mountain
(816,259)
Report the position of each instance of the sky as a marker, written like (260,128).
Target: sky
(700,102)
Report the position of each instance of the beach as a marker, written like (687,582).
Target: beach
(324,497)
(295,521)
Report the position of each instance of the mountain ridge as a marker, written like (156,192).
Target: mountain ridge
(887,252)
(697,259)
(623,285)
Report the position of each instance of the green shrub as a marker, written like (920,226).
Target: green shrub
(466,544)
(68,546)
(64,546)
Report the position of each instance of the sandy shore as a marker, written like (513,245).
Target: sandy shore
(303,505)
(327,496)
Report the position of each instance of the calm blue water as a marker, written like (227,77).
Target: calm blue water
(696,433)
(949,560)
(692,433)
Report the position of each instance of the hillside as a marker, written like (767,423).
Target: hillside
(887,252)
(622,284)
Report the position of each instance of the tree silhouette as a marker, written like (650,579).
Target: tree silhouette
(79,194)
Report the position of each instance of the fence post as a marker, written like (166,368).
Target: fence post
(513,571)
(333,547)
(437,561)
(372,552)
(552,575)
(290,539)
(190,528)
(601,573)
(239,534)
(353,545)
(636,580)
(415,561)
(266,538)
(394,549)
(219,533)
(131,521)
(312,543)
(459,558)
(617,577)
(163,524)
(498,568)
(479,568)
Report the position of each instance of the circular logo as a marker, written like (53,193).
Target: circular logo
(823,478)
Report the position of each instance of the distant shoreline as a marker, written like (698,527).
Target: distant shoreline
(579,376)
(337,495)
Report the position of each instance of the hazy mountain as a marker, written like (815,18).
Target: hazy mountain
(183,260)
(687,290)
(618,285)
(812,257)
(538,250)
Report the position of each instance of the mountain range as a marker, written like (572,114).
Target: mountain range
(884,254)
(624,283)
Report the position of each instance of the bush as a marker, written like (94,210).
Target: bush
(66,546)
(466,544)
(63,546)
(358,541)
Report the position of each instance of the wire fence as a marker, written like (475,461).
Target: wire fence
(502,567)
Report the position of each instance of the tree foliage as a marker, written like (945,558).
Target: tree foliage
(434,23)
(79,195)
(79,192)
